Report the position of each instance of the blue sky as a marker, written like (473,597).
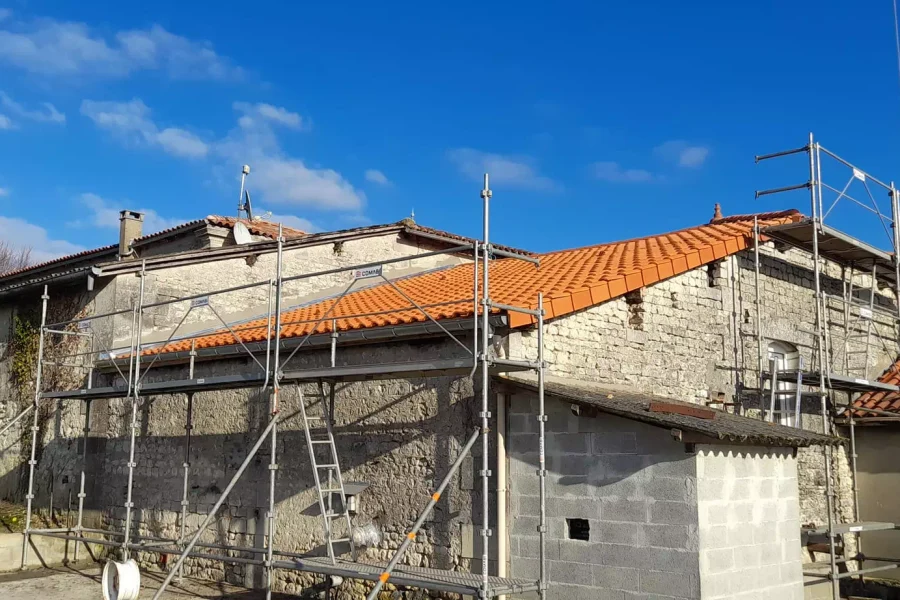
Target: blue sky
(598,121)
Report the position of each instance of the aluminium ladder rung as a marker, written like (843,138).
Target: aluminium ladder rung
(331,466)
(319,441)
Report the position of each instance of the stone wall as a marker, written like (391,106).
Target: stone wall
(634,485)
(749,523)
(693,337)
(176,282)
(399,436)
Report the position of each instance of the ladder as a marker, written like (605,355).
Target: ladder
(319,436)
(858,326)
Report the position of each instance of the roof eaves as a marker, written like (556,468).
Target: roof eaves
(726,427)
(55,265)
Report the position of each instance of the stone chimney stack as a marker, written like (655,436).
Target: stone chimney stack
(717,213)
(131,227)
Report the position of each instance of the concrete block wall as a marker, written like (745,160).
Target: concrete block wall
(749,523)
(634,485)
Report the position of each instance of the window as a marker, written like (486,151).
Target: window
(579,529)
(786,357)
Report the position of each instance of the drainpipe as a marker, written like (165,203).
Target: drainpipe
(502,530)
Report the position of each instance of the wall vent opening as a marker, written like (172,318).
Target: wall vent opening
(579,529)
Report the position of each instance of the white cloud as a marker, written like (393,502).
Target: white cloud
(130,121)
(278,177)
(4,192)
(289,221)
(49,47)
(504,170)
(105,214)
(267,112)
(682,153)
(6,122)
(289,181)
(376,176)
(181,143)
(19,234)
(614,172)
(49,114)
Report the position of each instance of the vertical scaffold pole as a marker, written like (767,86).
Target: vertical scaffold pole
(485,382)
(759,335)
(274,408)
(86,431)
(186,465)
(542,460)
(815,191)
(135,399)
(81,493)
(29,497)
(895,215)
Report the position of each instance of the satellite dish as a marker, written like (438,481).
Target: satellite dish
(241,234)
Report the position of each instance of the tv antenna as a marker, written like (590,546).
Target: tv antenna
(244,205)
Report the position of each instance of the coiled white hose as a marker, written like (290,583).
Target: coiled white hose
(121,581)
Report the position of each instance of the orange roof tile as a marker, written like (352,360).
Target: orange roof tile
(570,280)
(887,401)
(264,228)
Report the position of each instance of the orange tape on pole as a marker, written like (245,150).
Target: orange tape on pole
(435,496)
(384,577)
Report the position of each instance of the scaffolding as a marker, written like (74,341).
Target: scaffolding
(859,265)
(268,371)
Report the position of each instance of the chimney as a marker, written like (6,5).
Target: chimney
(131,225)
(717,213)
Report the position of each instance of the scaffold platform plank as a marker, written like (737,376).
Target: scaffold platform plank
(419,577)
(834,381)
(842,528)
(431,368)
(834,245)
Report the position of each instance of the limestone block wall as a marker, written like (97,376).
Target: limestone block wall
(248,303)
(749,523)
(60,425)
(400,436)
(693,337)
(633,484)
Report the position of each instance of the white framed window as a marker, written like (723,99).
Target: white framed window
(786,357)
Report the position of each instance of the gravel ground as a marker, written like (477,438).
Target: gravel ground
(70,584)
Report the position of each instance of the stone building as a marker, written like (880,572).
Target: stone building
(668,317)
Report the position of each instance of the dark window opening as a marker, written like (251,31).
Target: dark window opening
(713,273)
(635,302)
(579,529)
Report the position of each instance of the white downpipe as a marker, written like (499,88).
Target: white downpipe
(121,581)
(502,530)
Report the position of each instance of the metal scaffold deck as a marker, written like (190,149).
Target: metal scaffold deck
(119,370)
(861,269)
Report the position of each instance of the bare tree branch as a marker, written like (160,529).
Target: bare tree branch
(13,259)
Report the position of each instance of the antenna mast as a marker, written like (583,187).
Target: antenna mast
(244,205)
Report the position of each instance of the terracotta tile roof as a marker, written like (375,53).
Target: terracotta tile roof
(264,228)
(571,280)
(887,401)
